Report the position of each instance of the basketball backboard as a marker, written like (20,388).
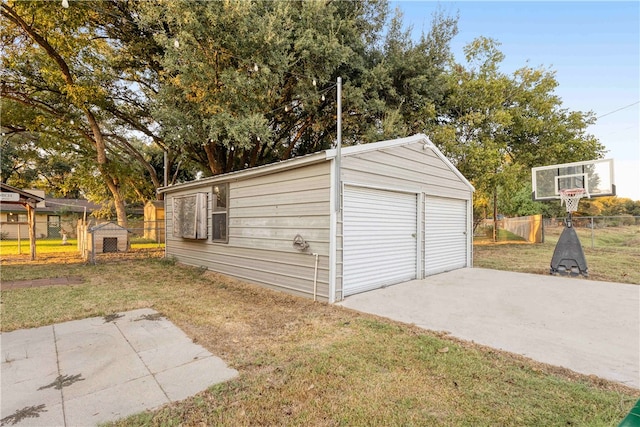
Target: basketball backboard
(595,176)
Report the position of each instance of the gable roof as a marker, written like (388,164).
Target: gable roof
(319,157)
(25,196)
(108,226)
(393,143)
(46,204)
(70,205)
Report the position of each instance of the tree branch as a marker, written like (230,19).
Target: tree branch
(135,153)
(9,13)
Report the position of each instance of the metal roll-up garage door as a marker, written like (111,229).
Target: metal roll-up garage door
(380,230)
(445,234)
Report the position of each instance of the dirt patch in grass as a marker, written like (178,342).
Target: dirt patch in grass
(306,363)
(44,258)
(35,283)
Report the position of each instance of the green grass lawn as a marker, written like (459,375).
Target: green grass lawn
(306,363)
(14,247)
(48,246)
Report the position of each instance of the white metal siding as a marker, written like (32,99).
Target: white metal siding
(266,212)
(407,167)
(379,238)
(445,234)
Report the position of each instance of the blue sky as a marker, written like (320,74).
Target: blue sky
(594,48)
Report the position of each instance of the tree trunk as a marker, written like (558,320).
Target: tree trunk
(254,153)
(211,157)
(96,137)
(110,180)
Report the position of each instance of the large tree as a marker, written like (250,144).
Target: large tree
(112,85)
(248,83)
(225,85)
(495,127)
(75,78)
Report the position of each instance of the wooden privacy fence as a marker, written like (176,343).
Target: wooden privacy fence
(530,228)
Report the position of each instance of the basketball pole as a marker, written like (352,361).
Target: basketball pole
(338,141)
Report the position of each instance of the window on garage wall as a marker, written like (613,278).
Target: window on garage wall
(220,213)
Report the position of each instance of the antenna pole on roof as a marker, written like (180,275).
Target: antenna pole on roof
(338,141)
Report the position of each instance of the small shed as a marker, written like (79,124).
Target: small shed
(108,237)
(154,221)
(326,227)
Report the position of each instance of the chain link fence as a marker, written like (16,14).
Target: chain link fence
(600,232)
(139,230)
(97,240)
(622,232)
(595,222)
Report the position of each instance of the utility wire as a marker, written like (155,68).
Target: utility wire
(619,109)
(49,202)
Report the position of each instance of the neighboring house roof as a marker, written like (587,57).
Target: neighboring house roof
(318,157)
(52,205)
(70,205)
(24,195)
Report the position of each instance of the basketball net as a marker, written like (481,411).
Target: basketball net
(571,197)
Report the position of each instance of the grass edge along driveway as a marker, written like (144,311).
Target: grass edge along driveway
(306,363)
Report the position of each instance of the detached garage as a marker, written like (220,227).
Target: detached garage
(387,212)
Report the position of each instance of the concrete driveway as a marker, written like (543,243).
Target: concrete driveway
(90,371)
(587,326)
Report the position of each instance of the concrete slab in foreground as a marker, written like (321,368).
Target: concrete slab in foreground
(95,370)
(587,326)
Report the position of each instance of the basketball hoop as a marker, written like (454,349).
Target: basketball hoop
(571,197)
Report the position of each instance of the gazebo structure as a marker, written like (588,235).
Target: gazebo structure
(14,196)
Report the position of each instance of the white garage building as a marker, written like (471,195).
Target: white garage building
(399,211)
